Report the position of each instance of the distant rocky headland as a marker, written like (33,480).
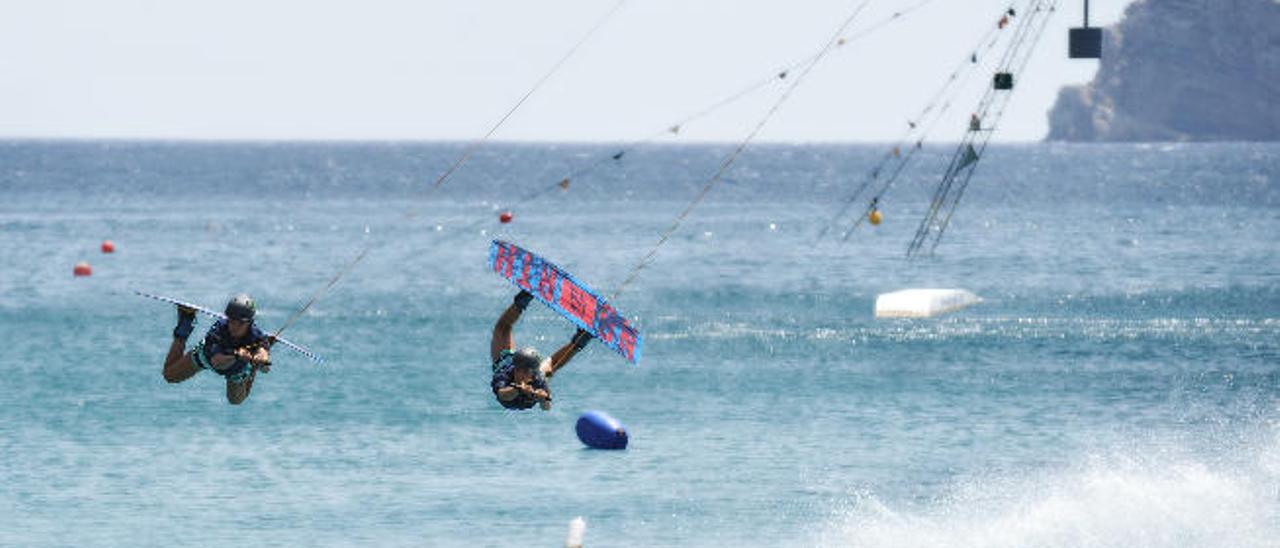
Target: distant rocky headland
(1181,70)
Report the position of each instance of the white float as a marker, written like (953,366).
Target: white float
(577,530)
(923,303)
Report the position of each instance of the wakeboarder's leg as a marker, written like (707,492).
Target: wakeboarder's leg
(502,337)
(178,366)
(237,392)
(562,356)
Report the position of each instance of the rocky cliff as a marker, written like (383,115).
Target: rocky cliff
(1181,70)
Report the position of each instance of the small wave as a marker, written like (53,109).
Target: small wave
(1011,328)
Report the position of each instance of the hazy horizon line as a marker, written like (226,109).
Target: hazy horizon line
(536,142)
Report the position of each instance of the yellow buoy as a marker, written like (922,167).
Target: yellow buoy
(874,217)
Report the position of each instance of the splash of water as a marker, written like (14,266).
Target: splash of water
(1160,501)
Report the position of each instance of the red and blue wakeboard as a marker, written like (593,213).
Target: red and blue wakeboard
(568,296)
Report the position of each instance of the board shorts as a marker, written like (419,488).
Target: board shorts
(238,373)
(504,359)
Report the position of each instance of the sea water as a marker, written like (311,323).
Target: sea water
(1118,386)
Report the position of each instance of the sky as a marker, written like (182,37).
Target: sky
(450,69)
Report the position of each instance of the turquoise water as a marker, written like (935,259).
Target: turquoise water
(1117,387)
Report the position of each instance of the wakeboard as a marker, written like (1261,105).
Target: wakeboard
(567,295)
(220,316)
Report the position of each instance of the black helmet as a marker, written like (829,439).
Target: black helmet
(241,307)
(527,358)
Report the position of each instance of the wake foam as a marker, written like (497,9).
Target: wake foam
(1111,501)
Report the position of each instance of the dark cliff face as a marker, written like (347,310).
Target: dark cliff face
(1181,70)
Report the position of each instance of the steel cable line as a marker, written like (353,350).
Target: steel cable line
(775,76)
(475,145)
(921,120)
(733,156)
(966,156)
(964,183)
(893,179)
(460,160)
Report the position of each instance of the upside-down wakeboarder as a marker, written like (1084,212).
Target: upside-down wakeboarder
(520,376)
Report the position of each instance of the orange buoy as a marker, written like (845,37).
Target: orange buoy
(82,269)
(108,246)
(874,217)
(505,217)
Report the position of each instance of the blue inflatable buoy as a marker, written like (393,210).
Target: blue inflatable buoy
(600,431)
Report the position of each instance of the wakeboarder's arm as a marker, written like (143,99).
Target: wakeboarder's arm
(511,392)
(540,395)
(221,357)
(508,393)
(221,360)
(260,357)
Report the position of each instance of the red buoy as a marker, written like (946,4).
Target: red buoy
(82,269)
(505,217)
(108,246)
